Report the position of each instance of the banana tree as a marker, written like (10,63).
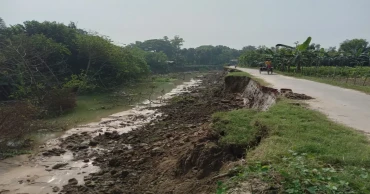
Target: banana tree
(367,75)
(298,52)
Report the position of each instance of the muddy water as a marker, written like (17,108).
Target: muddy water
(123,105)
(35,173)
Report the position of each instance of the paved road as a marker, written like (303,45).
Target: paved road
(349,107)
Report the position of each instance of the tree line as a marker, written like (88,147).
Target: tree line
(38,57)
(351,53)
(350,63)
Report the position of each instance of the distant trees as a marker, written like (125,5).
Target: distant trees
(351,62)
(350,46)
(2,24)
(351,53)
(206,55)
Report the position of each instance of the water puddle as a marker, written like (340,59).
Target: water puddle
(47,173)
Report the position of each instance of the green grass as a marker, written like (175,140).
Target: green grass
(12,152)
(237,127)
(245,74)
(163,79)
(301,146)
(330,81)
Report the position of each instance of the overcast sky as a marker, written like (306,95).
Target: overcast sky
(234,23)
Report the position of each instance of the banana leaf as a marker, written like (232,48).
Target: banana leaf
(283,45)
(305,44)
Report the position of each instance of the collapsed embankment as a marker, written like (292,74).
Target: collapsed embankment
(179,152)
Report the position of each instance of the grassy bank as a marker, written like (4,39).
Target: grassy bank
(301,151)
(245,74)
(340,82)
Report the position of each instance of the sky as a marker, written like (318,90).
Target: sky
(233,23)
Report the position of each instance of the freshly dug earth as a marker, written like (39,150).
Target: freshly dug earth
(177,153)
(296,96)
(288,93)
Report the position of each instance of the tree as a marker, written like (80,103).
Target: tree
(157,45)
(94,49)
(177,42)
(249,47)
(157,62)
(2,24)
(32,64)
(298,51)
(353,45)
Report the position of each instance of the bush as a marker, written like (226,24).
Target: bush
(16,120)
(80,83)
(58,101)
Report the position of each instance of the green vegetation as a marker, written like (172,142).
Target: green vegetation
(245,74)
(61,71)
(349,66)
(236,127)
(303,151)
(92,107)
(239,73)
(339,81)
(36,57)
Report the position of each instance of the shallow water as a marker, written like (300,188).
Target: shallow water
(161,91)
(34,173)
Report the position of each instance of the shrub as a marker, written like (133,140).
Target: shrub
(80,83)
(16,120)
(58,101)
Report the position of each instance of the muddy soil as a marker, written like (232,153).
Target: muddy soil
(176,153)
(167,148)
(288,93)
(56,164)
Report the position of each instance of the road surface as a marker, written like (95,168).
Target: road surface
(346,106)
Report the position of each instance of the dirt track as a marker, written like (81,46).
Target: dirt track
(345,106)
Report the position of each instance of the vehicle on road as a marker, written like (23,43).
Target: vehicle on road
(269,70)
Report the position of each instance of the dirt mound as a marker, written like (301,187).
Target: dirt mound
(297,96)
(288,93)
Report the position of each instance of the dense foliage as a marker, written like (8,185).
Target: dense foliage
(350,61)
(165,55)
(351,53)
(38,57)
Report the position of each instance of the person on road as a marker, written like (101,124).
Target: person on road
(268,63)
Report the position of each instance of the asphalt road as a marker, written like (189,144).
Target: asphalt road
(346,106)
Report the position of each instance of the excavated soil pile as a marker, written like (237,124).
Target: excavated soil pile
(176,153)
(296,96)
(288,93)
